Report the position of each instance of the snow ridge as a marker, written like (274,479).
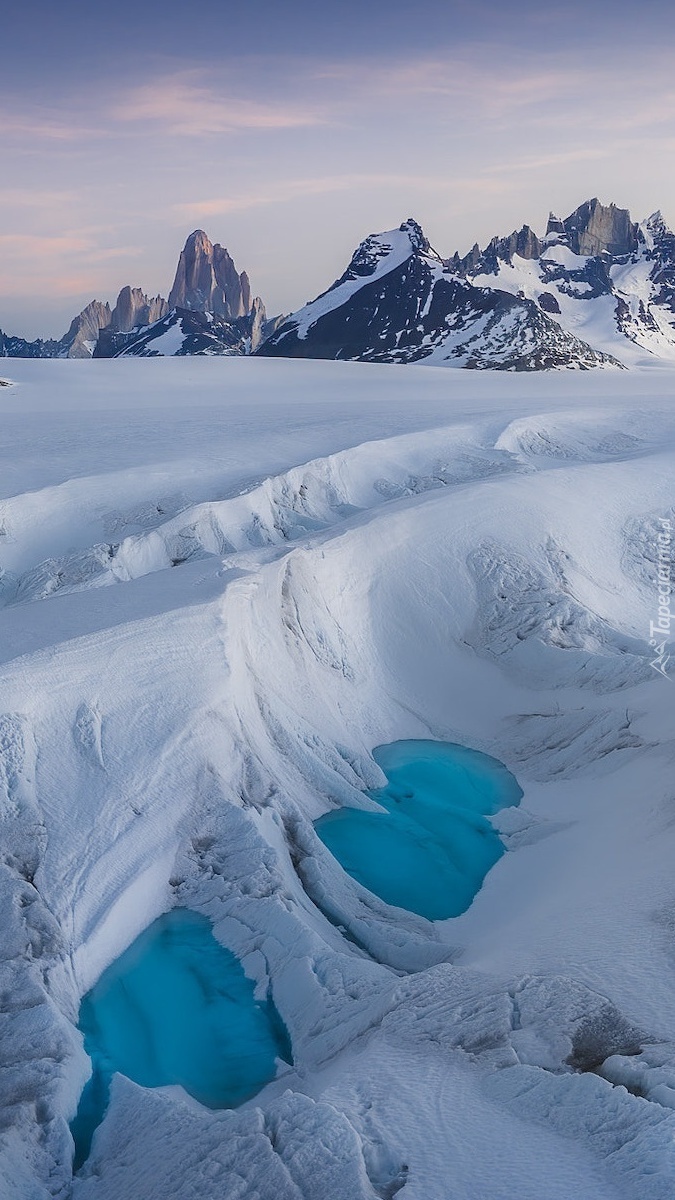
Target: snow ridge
(171,740)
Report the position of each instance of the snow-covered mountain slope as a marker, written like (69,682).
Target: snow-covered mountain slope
(258,570)
(396,302)
(603,278)
(184,332)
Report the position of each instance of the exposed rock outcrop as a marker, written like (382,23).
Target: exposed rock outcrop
(592,230)
(18,347)
(258,323)
(78,342)
(523,242)
(133,309)
(596,288)
(397,302)
(555,224)
(183,332)
(84,329)
(207,280)
(597,253)
(595,228)
(659,243)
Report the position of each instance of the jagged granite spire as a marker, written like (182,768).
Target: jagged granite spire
(555,224)
(523,242)
(596,228)
(207,280)
(133,309)
(84,331)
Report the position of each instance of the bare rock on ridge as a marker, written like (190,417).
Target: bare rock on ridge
(523,242)
(596,228)
(133,309)
(207,280)
(84,329)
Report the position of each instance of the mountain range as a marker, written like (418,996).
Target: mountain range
(209,311)
(596,290)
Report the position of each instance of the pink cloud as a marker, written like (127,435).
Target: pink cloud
(35,198)
(41,127)
(31,247)
(557,85)
(185,106)
(66,265)
(456,189)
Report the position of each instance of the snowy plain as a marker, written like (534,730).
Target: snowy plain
(223,582)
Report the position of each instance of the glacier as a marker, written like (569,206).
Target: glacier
(224,581)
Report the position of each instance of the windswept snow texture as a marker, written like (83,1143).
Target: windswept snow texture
(225,580)
(431,847)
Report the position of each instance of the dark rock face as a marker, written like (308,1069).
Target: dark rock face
(616,260)
(523,242)
(363,328)
(518,304)
(18,347)
(662,255)
(417,309)
(587,282)
(592,230)
(207,280)
(370,253)
(183,332)
(466,265)
(555,224)
(548,303)
(595,228)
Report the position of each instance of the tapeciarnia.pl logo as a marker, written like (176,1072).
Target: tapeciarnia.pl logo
(659,630)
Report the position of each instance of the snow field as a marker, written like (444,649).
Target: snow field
(406,556)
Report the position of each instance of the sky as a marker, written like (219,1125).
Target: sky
(289,130)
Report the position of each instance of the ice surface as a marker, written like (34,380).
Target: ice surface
(373,555)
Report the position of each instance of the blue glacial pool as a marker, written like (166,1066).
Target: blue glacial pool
(432,848)
(176,1008)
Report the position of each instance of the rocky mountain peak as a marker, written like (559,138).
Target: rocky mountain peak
(523,242)
(555,224)
(207,280)
(246,292)
(133,308)
(593,230)
(84,329)
(199,240)
(418,238)
(596,228)
(655,226)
